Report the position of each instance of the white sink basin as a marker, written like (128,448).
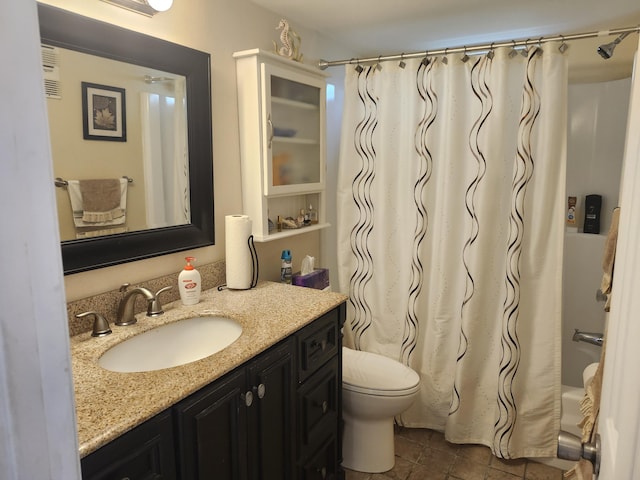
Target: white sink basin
(172,345)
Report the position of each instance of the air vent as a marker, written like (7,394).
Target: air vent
(51,71)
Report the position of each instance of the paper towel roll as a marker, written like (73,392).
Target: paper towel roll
(238,256)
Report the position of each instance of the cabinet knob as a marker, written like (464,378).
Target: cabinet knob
(270,125)
(324,406)
(260,390)
(247,398)
(322,344)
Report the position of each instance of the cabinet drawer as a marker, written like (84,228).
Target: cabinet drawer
(317,344)
(318,406)
(323,464)
(144,453)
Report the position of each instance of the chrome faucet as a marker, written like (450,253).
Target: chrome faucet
(588,337)
(125,309)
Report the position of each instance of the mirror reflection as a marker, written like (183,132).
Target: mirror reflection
(108,115)
(108,120)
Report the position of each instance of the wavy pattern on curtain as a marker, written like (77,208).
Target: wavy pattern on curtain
(430,99)
(450,244)
(510,343)
(361,191)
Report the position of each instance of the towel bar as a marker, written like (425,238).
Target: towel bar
(60,182)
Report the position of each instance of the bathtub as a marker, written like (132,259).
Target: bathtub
(571,416)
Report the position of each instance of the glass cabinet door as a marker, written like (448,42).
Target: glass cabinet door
(293,139)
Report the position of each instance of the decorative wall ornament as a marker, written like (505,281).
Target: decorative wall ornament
(290,42)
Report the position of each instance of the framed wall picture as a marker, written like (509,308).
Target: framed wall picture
(104,113)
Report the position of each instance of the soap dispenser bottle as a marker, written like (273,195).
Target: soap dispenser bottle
(189,283)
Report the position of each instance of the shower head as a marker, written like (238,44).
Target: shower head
(606,50)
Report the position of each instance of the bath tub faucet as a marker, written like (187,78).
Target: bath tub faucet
(588,337)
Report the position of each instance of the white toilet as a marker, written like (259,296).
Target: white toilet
(374,390)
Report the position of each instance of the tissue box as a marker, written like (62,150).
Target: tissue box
(318,279)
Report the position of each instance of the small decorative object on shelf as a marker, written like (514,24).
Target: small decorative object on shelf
(290,42)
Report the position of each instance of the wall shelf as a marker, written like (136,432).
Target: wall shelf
(282,119)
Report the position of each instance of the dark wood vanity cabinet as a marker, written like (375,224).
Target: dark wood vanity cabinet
(241,427)
(319,398)
(277,416)
(144,453)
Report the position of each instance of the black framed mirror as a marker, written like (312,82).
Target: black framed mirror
(67,30)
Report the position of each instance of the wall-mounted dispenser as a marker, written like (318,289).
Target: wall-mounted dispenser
(592,206)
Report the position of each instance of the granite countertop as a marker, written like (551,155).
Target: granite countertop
(109,404)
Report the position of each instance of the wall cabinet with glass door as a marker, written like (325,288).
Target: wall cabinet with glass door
(281,109)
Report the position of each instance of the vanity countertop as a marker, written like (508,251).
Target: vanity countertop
(108,403)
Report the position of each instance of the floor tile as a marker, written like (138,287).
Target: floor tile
(426,472)
(351,475)
(418,435)
(515,466)
(539,471)
(494,474)
(437,460)
(408,449)
(423,454)
(466,469)
(477,453)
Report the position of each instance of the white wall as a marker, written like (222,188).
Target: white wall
(218,27)
(597,126)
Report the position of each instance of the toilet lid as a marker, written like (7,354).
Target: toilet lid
(375,374)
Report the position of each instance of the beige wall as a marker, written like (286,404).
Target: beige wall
(218,27)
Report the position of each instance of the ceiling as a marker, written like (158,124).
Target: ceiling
(377,27)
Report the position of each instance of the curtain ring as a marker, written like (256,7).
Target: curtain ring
(378,65)
(425,60)
(465,57)
(539,48)
(358,68)
(491,53)
(563,46)
(513,51)
(445,60)
(402,64)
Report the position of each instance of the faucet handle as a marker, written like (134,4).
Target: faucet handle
(155,307)
(100,324)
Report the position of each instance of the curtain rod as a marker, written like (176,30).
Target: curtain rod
(324,64)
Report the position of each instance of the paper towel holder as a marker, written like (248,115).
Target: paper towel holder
(255,266)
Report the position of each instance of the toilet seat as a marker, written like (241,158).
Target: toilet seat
(374,374)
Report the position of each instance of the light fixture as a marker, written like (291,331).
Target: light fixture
(144,7)
(160,5)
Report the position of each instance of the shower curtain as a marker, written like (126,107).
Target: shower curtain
(450,234)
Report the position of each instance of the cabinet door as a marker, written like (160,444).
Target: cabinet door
(144,453)
(323,464)
(271,416)
(212,429)
(318,415)
(294,135)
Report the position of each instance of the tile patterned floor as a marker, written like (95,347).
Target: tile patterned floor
(423,454)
